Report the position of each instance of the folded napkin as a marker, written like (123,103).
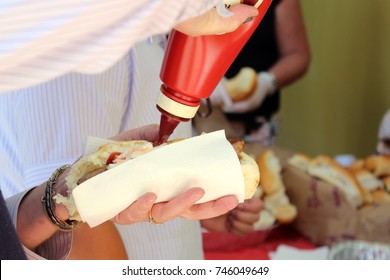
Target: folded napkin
(208,161)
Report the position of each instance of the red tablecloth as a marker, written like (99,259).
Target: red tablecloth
(280,235)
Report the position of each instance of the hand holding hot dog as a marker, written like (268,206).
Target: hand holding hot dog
(183,204)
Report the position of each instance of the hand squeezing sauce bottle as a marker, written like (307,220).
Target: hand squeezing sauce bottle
(193,66)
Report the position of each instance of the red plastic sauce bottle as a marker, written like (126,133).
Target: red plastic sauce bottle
(193,67)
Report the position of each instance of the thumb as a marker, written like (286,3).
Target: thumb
(212,22)
(147,132)
(239,14)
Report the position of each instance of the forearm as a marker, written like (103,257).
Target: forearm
(290,68)
(293,45)
(32,224)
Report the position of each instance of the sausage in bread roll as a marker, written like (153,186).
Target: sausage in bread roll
(110,155)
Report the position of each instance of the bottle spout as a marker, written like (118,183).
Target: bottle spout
(168,124)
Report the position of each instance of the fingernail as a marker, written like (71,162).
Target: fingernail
(248,19)
(232,203)
(198,193)
(150,197)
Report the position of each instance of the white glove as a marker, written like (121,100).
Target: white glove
(220,97)
(265,86)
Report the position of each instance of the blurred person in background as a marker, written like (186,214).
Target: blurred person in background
(279,52)
(383,145)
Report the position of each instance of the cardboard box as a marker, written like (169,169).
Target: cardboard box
(326,217)
(324,214)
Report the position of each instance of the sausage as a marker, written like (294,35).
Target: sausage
(238,145)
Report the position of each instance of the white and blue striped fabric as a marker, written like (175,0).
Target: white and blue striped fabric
(44,125)
(49,124)
(44,39)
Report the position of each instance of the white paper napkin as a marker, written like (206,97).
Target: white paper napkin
(284,252)
(208,161)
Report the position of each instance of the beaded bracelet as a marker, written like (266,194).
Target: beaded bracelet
(50,206)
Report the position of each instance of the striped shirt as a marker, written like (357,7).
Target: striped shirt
(53,121)
(45,125)
(44,39)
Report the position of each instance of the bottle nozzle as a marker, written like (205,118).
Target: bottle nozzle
(168,123)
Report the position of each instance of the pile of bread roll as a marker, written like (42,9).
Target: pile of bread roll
(277,206)
(364,182)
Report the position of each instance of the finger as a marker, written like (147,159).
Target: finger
(239,14)
(245,216)
(213,23)
(211,209)
(221,24)
(166,211)
(138,211)
(238,227)
(254,205)
(148,133)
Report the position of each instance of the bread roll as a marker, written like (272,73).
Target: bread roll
(356,165)
(259,192)
(250,170)
(96,163)
(126,149)
(266,220)
(386,181)
(368,180)
(275,198)
(378,164)
(112,154)
(251,173)
(329,170)
(285,214)
(381,196)
(270,168)
(242,85)
(300,161)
